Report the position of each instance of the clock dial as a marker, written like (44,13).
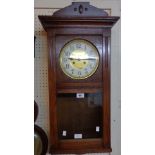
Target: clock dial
(79,59)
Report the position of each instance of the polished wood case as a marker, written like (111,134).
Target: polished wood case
(79,20)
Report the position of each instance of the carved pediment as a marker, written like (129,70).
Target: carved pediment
(82,9)
(79,14)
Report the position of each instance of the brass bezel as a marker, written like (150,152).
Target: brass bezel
(87,42)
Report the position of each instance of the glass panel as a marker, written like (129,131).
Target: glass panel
(79,115)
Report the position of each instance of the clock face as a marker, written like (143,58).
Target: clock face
(79,59)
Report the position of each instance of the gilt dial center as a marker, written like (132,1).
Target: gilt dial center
(78,59)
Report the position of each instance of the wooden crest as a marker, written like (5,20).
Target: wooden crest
(80,9)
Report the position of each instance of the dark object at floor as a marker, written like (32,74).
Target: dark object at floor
(40,137)
(40,141)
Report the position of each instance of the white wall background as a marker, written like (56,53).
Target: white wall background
(44,7)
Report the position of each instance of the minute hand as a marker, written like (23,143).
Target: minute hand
(82,58)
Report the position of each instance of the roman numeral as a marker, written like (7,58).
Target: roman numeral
(67,66)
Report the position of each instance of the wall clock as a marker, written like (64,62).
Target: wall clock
(79,78)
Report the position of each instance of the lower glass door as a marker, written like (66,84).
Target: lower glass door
(79,115)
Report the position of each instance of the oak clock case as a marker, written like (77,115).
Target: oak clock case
(79,78)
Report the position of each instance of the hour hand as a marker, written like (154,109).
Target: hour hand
(91,58)
(70,58)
